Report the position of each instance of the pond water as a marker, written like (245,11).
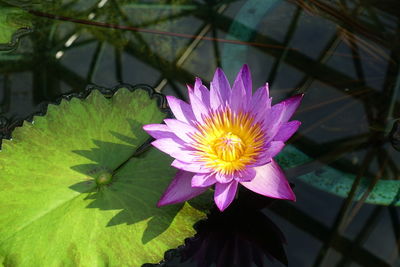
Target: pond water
(342,54)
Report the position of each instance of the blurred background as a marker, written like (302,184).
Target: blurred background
(342,54)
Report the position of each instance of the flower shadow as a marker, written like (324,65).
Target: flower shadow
(128,191)
(239,236)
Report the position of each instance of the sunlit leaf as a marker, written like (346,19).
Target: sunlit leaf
(71,194)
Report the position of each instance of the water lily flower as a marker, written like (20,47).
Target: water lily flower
(226,137)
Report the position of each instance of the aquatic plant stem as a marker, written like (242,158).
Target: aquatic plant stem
(321,232)
(95,61)
(141,149)
(136,29)
(287,42)
(340,218)
(365,195)
(362,236)
(185,55)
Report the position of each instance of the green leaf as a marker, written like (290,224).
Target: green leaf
(14,22)
(71,194)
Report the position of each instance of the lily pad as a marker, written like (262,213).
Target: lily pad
(72,194)
(14,22)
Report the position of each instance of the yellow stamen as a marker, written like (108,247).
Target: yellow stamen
(228,142)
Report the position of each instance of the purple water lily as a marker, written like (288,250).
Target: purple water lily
(225,137)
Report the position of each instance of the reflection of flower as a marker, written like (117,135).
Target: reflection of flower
(226,137)
(241,236)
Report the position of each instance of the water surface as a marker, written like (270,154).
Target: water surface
(343,54)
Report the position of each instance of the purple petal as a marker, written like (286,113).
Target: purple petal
(270,151)
(190,167)
(180,189)
(261,95)
(291,105)
(270,181)
(224,194)
(185,155)
(175,148)
(181,110)
(203,179)
(245,76)
(287,130)
(260,103)
(245,175)
(280,114)
(273,148)
(182,130)
(199,108)
(220,90)
(241,90)
(261,161)
(222,178)
(202,92)
(169,145)
(273,121)
(197,84)
(159,131)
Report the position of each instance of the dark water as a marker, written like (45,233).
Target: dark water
(344,55)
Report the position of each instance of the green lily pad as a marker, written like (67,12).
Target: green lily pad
(71,194)
(14,22)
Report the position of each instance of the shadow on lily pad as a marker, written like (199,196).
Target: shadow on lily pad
(121,179)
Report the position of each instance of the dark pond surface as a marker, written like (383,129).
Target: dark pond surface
(343,54)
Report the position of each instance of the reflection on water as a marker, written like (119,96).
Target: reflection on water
(343,54)
(241,236)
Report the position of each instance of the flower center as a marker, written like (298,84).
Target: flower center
(228,142)
(229,147)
